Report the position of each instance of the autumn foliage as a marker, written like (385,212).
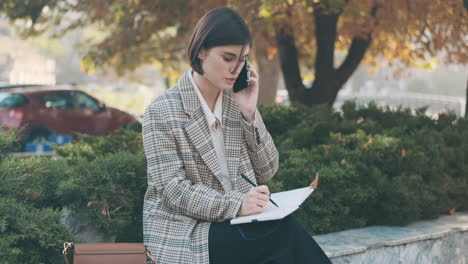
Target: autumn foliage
(329,37)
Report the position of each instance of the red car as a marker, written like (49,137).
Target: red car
(46,110)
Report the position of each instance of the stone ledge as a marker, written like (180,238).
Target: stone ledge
(360,241)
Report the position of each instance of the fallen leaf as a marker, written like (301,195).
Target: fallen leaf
(104,212)
(368,143)
(403,153)
(314,183)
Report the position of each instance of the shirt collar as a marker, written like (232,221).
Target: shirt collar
(217,114)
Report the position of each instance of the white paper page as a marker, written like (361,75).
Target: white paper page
(292,198)
(287,202)
(270,213)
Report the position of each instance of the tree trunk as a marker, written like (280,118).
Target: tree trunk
(465,3)
(289,63)
(326,84)
(269,71)
(328,80)
(466,100)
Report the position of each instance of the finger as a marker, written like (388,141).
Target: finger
(258,209)
(252,81)
(253,72)
(263,189)
(263,197)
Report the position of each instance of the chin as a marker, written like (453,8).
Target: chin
(229,88)
(226,87)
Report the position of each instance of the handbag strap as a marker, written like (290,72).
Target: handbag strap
(66,247)
(149,255)
(69,245)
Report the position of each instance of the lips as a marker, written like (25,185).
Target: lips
(230,80)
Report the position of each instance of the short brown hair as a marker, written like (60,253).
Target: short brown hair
(218,27)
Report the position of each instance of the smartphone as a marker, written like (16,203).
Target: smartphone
(241,81)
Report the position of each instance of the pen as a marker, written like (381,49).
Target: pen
(253,184)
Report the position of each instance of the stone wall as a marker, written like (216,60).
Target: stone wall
(444,241)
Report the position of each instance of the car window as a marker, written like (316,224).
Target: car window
(83,101)
(55,100)
(8,100)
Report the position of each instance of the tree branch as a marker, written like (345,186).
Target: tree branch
(325,34)
(356,52)
(289,61)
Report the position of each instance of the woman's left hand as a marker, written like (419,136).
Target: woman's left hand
(247,98)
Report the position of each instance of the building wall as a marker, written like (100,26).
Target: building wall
(22,64)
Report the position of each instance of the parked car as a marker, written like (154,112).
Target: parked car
(42,111)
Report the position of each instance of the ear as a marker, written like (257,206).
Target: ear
(202,54)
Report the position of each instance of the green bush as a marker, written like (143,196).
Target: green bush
(108,193)
(91,147)
(376,167)
(8,142)
(30,235)
(30,231)
(33,180)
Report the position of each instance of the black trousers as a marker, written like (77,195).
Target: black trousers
(271,242)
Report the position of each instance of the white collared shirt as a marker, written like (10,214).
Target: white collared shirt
(215,125)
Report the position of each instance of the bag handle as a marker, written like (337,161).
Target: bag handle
(66,247)
(149,255)
(69,245)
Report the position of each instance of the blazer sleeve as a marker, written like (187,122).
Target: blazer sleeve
(261,148)
(167,177)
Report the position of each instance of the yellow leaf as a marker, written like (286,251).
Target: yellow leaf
(264,13)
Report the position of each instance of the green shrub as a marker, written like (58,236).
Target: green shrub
(108,193)
(8,142)
(91,147)
(33,180)
(376,167)
(30,235)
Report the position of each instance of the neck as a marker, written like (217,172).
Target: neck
(208,90)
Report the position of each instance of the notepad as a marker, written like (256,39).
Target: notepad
(288,202)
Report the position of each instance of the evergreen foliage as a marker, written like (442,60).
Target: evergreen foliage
(377,167)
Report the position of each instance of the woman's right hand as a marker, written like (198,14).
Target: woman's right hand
(254,201)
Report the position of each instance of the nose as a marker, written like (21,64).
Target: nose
(237,68)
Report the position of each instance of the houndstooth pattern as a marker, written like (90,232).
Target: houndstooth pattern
(185,186)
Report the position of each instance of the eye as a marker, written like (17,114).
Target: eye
(227,59)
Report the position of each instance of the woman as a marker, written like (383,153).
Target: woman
(199,138)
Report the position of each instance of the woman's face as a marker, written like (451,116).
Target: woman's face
(219,64)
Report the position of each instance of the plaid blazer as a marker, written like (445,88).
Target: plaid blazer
(185,187)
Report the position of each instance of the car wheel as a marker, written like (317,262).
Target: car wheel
(37,135)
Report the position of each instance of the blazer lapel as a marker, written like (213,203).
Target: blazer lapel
(232,132)
(197,127)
